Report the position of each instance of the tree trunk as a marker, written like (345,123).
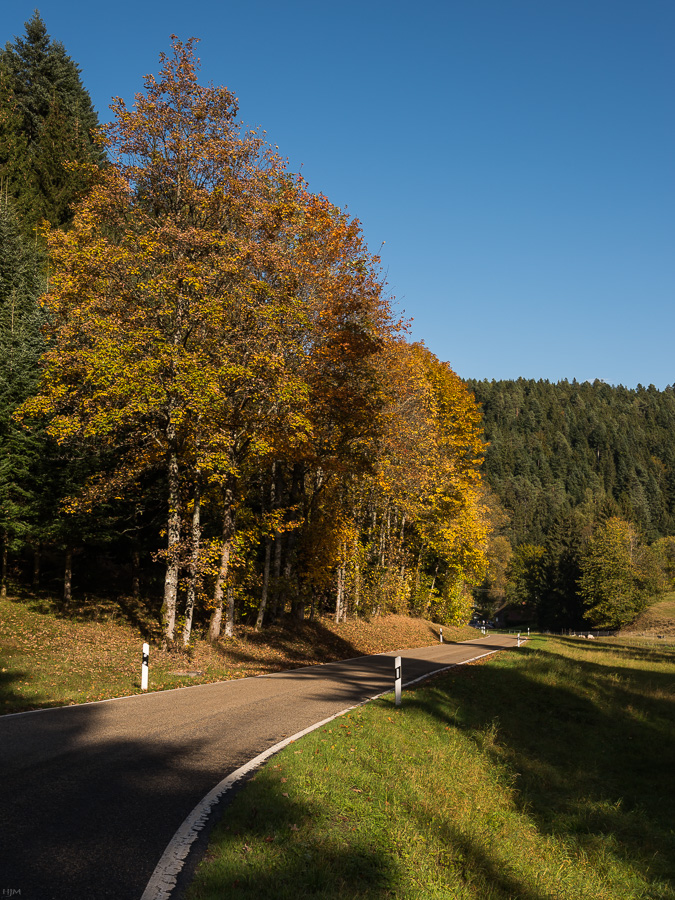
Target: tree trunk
(37,554)
(297,608)
(194,564)
(276,574)
(3,573)
(173,540)
(265,585)
(297,602)
(382,541)
(357,575)
(339,603)
(223,571)
(136,574)
(268,553)
(68,576)
(344,581)
(338,596)
(229,621)
(431,590)
(217,614)
(297,495)
(401,547)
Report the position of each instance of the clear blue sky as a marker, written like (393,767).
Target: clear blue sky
(517,157)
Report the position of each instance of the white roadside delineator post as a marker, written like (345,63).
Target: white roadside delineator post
(519,639)
(441,635)
(397,680)
(145,666)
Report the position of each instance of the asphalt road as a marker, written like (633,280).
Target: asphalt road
(91,795)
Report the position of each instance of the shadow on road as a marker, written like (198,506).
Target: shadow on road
(85,817)
(88,805)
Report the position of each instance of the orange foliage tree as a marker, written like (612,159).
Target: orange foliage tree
(176,331)
(215,326)
(207,316)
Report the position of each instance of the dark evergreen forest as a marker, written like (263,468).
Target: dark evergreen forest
(47,160)
(564,458)
(556,447)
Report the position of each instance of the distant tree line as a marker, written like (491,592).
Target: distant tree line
(207,403)
(585,474)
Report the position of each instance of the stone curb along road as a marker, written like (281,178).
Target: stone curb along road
(93,796)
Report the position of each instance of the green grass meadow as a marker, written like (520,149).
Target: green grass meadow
(543,773)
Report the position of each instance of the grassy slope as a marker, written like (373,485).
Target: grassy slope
(658,620)
(544,773)
(48,658)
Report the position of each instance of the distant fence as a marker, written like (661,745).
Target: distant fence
(586,633)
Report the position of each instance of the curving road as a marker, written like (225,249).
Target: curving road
(91,795)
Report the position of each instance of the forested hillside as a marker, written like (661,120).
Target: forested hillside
(565,459)
(207,402)
(555,447)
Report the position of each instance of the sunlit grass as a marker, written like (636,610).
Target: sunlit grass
(49,660)
(658,620)
(544,773)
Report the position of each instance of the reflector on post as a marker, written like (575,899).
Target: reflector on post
(397,680)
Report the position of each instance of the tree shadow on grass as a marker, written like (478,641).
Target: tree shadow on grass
(10,699)
(284,848)
(137,612)
(268,847)
(302,644)
(484,872)
(660,653)
(590,762)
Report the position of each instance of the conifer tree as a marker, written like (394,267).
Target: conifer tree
(20,348)
(14,159)
(48,120)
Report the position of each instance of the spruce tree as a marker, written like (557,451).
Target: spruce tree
(49,121)
(14,158)
(20,349)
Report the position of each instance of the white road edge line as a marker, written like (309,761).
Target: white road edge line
(163,880)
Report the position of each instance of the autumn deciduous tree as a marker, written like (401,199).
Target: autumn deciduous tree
(217,333)
(456,521)
(410,528)
(175,330)
(616,574)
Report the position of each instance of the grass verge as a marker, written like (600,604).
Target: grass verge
(543,773)
(51,657)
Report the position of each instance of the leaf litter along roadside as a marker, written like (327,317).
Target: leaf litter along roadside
(539,774)
(50,659)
